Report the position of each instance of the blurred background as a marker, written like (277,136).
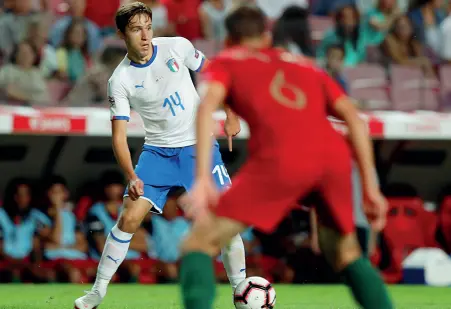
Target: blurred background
(61,191)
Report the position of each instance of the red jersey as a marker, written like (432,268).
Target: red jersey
(285,99)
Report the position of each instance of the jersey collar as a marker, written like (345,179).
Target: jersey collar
(154,55)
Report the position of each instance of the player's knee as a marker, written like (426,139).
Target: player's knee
(129,222)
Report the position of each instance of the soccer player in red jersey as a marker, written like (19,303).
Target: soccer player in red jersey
(293,150)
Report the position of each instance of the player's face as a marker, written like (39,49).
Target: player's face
(138,35)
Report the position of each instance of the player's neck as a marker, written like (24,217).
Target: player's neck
(138,59)
(253,44)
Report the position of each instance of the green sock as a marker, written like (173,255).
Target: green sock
(197,279)
(366,285)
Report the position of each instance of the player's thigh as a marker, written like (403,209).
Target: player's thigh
(336,208)
(159,173)
(188,167)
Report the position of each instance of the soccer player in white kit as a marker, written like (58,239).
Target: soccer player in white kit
(154,80)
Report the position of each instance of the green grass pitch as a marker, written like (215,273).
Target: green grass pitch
(15,296)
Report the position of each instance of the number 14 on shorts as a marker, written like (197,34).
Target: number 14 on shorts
(221,173)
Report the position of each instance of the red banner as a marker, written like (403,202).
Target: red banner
(48,123)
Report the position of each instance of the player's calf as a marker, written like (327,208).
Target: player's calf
(344,254)
(197,277)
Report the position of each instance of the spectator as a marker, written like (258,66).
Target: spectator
(347,32)
(91,88)
(212,14)
(73,56)
(22,230)
(22,81)
(426,17)
(379,21)
(183,16)
(46,54)
(77,9)
(445,39)
(167,233)
(101,219)
(334,64)
(14,25)
(292,31)
(67,241)
(401,47)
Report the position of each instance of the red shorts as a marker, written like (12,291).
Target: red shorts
(262,195)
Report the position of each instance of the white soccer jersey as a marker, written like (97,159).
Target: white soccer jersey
(160,91)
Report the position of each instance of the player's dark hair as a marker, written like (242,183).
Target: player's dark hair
(127,11)
(245,22)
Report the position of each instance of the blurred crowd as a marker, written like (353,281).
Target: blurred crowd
(62,52)
(50,235)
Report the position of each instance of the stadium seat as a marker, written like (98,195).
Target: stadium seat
(319,25)
(374,54)
(411,91)
(445,77)
(402,233)
(367,83)
(444,222)
(429,221)
(58,90)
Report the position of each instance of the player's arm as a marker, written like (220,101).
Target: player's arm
(214,96)
(343,107)
(120,148)
(120,115)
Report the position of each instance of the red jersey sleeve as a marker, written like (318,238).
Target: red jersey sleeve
(217,71)
(332,89)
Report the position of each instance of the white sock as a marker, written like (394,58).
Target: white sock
(114,252)
(234,259)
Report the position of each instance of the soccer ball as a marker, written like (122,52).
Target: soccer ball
(255,293)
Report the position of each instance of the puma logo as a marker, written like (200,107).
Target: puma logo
(114,260)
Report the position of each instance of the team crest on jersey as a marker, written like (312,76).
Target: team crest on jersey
(173,65)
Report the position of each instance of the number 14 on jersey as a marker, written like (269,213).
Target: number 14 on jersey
(172,102)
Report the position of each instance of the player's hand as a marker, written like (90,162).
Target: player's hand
(375,208)
(135,189)
(197,202)
(232,127)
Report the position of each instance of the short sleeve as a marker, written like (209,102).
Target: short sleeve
(333,91)
(94,224)
(192,58)
(217,72)
(117,97)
